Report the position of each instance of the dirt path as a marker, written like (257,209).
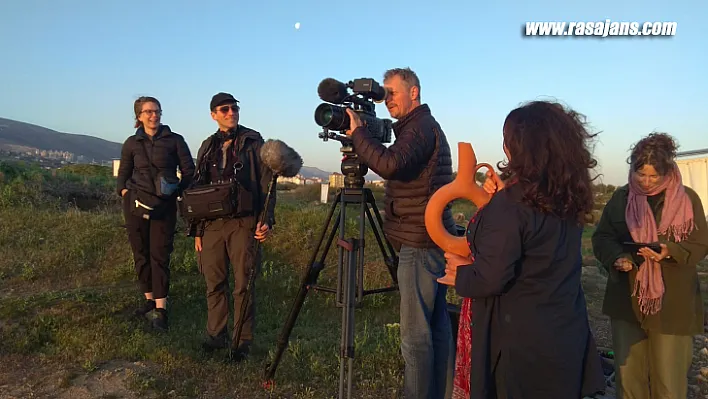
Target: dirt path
(33,377)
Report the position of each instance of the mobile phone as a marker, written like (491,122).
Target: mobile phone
(634,246)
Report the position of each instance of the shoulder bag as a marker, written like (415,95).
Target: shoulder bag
(210,201)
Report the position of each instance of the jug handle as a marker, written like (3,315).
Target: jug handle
(463,187)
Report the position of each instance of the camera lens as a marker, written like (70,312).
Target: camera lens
(331,117)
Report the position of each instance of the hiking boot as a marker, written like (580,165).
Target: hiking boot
(213,343)
(160,320)
(147,307)
(240,353)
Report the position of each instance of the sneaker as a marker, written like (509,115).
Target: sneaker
(213,343)
(160,320)
(147,307)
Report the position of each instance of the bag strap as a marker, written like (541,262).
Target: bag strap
(237,148)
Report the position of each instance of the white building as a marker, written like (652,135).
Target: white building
(694,172)
(299,180)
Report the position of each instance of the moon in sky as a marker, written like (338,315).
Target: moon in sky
(297,25)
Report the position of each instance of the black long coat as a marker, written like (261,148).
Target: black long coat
(531,337)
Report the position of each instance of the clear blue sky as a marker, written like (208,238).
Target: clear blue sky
(77,65)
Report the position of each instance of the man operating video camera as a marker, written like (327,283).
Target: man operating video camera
(415,166)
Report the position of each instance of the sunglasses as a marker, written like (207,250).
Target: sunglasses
(225,109)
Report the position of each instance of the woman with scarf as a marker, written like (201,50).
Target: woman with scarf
(653,297)
(524,330)
(147,180)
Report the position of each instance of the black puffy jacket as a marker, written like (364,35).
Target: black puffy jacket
(416,165)
(167,150)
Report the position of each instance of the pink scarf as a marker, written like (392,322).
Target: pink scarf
(676,222)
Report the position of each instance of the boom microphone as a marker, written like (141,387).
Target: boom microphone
(280,158)
(332,91)
(282,161)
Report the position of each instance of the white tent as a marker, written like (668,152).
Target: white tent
(694,171)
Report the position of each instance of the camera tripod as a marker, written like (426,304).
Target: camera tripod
(350,274)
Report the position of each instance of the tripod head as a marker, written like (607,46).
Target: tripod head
(353,170)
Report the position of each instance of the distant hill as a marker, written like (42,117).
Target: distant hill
(311,172)
(20,135)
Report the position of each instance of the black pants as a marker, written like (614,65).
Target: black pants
(152,242)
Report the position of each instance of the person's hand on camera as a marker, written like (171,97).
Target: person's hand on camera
(493,183)
(354,121)
(651,254)
(262,232)
(198,244)
(623,264)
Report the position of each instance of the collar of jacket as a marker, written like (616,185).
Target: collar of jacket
(421,110)
(241,132)
(162,131)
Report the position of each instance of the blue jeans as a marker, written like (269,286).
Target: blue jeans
(426,333)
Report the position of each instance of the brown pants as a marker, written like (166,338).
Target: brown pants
(223,241)
(650,365)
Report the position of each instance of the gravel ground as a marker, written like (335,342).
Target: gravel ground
(594,286)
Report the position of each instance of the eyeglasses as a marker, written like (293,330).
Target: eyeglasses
(152,111)
(225,109)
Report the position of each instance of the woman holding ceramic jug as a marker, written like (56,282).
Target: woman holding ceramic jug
(528,327)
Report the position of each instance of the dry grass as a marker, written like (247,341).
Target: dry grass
(67,287)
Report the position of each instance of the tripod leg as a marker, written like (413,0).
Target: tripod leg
(390,258)
(362,244)
(371,200)
(342,260)
(309,278)
(346,362)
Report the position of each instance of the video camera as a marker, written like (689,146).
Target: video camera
(329,116)
(366,92)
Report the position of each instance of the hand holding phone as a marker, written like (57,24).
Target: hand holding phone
(636,246)
(654,251)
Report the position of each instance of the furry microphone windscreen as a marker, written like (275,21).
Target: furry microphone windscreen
(280,158)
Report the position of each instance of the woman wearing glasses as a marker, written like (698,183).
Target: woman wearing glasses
(148,182)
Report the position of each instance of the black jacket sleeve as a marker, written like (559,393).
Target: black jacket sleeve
(411,149)
(186,164)
(499,244)
(606,242)
(125,169)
